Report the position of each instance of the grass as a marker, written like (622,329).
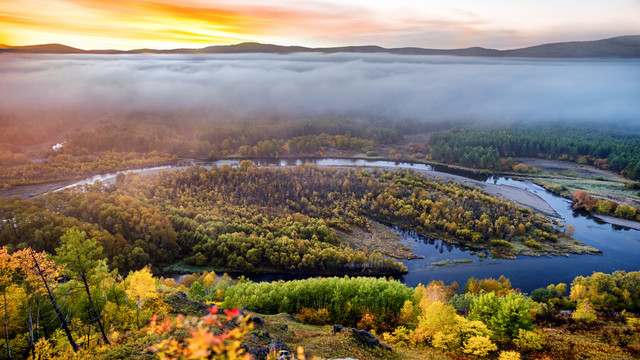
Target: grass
(449,262)
(319,341)
(380,239)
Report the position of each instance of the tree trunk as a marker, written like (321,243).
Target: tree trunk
(63,321)
(38,318)
(6,321)
(137,316)
(95,311)
(30,322)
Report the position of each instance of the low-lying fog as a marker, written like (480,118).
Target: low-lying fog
(433,88)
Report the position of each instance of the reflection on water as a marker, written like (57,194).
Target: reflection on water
(620,245)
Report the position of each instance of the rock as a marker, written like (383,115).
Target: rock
(278,346)
(264,335)
(336,329)
(256,351)
(366,338)
(256,320)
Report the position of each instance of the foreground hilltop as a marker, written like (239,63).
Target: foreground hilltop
(617,47)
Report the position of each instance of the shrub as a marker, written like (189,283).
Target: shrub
(400,336)
(314,317)
(440,326)
(479,346)
(367,322)
(509,355)
(528,341)
(505,316)
(584,312)
(501,243)
(533,244)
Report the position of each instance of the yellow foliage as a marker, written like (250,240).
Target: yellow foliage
(409,313)
(509,355)
(314,317)
(141,286)
(444,341)
(578,292)
(528,340)
(400,336)
(43,351)
(479,346)
(440,325)
(584,312)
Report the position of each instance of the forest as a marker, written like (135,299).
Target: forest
(614,150)
(262,219)
(77,265)
(70,305)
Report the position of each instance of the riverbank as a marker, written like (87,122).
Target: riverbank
(631,224)
(516,195)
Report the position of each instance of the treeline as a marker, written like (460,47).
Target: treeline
(65,166)
(259,139)
(256,219)
(255,205)
(334,300)
(606,149)
(582,200)
(131,233)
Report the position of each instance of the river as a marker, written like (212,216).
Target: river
(620,246)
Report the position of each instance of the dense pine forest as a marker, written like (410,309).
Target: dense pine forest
(616,150)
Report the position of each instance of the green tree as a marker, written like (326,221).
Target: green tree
(82,260)
(505,316)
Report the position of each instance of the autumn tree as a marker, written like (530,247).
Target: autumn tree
(82,260)
(7,270)
(25,261)
(42,268)
(141,286)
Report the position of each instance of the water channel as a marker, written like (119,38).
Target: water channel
(620,246)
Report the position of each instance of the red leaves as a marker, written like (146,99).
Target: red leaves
(233,313)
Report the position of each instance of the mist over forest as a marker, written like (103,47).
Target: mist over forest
(429,89)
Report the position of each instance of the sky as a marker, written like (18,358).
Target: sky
(165,24)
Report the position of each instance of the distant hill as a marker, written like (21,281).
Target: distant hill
(618,47)
(43,49)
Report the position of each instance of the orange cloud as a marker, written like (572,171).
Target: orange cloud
(127,24)
(153,22)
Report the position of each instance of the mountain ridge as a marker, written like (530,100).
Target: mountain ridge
(627,46)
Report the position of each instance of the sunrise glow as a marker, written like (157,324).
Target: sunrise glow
(130,24)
